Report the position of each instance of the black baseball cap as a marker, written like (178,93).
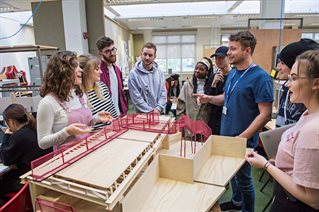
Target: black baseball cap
(221,51)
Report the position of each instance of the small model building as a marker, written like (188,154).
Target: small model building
(101,169)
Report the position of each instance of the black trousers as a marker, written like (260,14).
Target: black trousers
(285,202)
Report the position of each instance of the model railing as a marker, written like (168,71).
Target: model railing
(196,131)
(59,159)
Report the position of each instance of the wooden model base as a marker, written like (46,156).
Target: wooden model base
(111,177)
(155,192)
(104,175)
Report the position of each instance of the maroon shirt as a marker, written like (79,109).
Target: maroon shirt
(105,77)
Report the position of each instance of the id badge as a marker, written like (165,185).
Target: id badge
(224,110)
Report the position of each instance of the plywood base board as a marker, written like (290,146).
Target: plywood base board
(153,193)
(218,170)
(175,149)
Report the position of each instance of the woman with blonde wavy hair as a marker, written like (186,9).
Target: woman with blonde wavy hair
(63,115)
(98,94)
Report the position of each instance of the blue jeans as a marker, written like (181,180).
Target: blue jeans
(243,188)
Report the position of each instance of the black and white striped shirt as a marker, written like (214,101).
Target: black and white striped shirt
(103,103)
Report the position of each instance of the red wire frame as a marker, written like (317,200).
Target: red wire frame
(197,127)
(45,205)
(61,158)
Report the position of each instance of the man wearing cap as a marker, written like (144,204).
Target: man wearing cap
(187,104)
(289,113)
(217,86)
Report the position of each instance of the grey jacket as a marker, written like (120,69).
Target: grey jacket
(147,88)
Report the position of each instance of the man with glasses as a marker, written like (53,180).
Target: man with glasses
(289,113)
(111,73)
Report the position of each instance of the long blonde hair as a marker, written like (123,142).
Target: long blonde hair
(88,63)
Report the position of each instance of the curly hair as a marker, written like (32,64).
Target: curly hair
(59,76)
(103,42)
(246,39)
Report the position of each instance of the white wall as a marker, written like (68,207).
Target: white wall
(121,38)
(9,24)
(74,19)
(203,37)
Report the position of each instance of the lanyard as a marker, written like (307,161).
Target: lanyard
(230,91)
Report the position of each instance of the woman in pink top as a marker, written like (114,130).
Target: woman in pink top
(297,170)
(63,116)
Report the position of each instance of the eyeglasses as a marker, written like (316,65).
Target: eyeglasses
(109,51)
(292,78)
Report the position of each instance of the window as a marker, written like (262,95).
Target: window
(224,39)
(175,52)
(307,35)
(311,35)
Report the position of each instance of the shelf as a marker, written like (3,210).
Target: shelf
(26,48)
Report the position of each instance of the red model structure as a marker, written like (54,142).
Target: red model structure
(53,162)
(149,122)
(193,130)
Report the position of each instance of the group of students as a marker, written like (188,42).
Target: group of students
(237,101)
(246,102)
(75,102)
(83,93)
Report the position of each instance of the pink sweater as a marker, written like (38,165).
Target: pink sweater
(298,151)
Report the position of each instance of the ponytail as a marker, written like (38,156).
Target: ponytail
(31,121)
(19,114)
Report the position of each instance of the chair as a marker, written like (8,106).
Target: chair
(20,202)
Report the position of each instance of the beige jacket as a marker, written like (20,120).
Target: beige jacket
(187,105)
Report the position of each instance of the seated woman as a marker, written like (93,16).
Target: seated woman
(296,170)
(63,116)
(98,94)
(19,147)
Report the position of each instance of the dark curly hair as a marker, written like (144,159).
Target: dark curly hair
(59,76)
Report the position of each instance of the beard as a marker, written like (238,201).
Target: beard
(110,59)
(237,60)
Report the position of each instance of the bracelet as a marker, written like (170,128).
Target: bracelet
(267,164)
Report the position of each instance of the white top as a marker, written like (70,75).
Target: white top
(200,86)
(52,120)
(114,88)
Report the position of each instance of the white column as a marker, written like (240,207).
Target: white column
(203,37)
(216,33)
(271,9)
(147,34)
(74,20)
